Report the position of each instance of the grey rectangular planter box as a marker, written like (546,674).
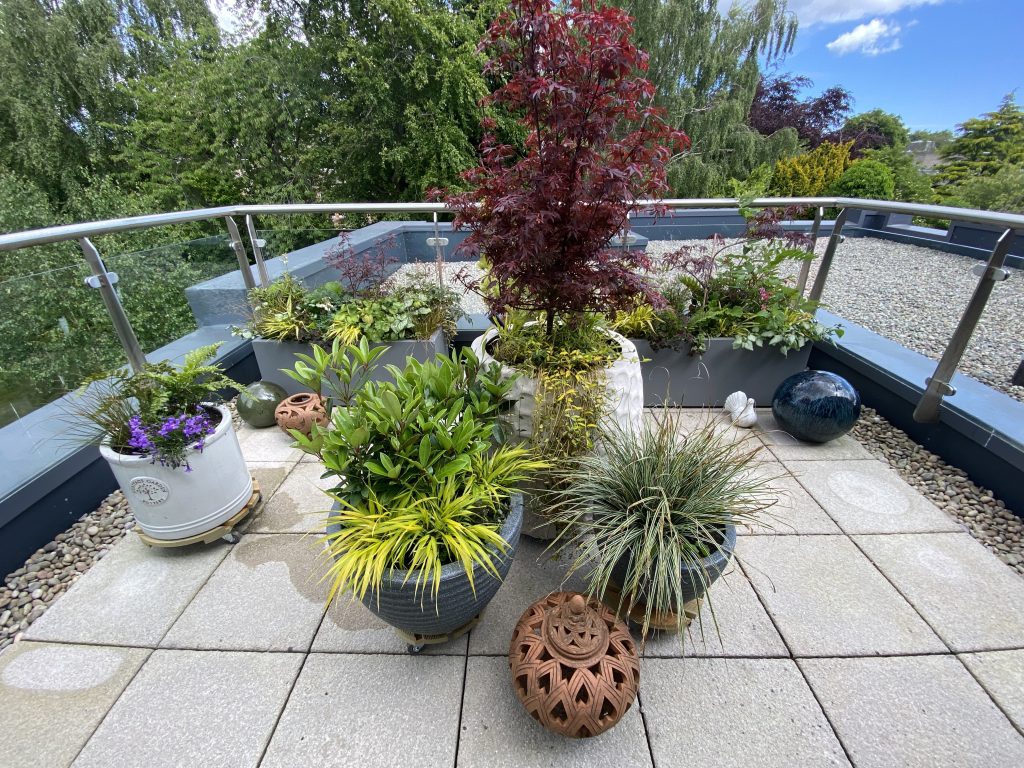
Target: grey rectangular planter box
(272,356)
(674,377)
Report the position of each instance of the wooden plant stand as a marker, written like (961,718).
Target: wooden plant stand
(661,621)
(416,642)
(225,530)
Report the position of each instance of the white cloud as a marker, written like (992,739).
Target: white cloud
(812,12)
(871,39)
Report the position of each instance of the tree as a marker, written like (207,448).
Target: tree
(866,179)
(910,183)
(1003,191)
(873,130)
(544,214)
(983,146)
(812,173)
(705,64)
(777,106)
(60,66)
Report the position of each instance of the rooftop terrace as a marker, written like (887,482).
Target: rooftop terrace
(870,629)
(880,622)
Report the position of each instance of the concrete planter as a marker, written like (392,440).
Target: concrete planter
(402,606)
(272,356)
(171,504)
(677,378)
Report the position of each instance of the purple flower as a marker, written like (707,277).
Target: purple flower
(139,440)
(170,424)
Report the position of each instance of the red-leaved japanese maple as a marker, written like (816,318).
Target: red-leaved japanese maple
(544,214)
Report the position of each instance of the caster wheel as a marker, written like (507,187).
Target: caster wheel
(232,538)
(416,649)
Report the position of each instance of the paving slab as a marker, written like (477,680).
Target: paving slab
(534,575)
(869,497)
(270,475)
(270,444)
(1001,673)
(972,599)
(53,696)
(734,713)
(827,599)
(913,711)
(350,627)
(130,597)
(298,506)
(691,419)
(732,622)
(497,730)
(796,511)
(787,448)
(202,708)
(370,711)
(265,596)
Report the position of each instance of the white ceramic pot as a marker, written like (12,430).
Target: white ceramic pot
(623,381)
(174,504)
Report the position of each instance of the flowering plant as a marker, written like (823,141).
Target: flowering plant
(733,288)
(162,412)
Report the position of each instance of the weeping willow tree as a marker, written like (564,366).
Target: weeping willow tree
(62,65)
(706,64)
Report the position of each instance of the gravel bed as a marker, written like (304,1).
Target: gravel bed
(915,296)
(454,274)
(46,575)
(27,592)
(986,517)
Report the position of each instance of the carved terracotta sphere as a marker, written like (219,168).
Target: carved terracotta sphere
(301,412)
(574,665)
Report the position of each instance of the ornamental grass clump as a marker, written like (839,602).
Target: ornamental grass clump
(162,412)
(646,512)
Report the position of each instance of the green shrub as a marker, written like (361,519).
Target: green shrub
(810,174)
(866,179)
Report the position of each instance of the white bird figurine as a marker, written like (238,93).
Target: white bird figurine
(741,409)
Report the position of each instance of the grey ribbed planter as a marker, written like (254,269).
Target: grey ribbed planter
(711,567)
(272,356)
(677,378)
(401,606)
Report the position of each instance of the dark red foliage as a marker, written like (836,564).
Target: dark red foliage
(777,105)
(595,144)
(363,273)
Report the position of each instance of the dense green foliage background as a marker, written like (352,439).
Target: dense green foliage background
(116,107)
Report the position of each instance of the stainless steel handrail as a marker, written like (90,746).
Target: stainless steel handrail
(15,240)
(937,387)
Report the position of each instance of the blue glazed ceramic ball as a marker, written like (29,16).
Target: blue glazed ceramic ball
(816,406)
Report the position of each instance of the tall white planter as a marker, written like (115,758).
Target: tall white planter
(623,380)
(173,504)
(625,386)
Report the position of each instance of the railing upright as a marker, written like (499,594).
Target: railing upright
(938,385)
(239,248)
(805,268)
(104,281)
(826,260)
(257,250)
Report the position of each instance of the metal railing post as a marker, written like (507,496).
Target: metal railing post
(938,385)
(104,281)
(239,248)
(257,250)
(826,259)
(805,268)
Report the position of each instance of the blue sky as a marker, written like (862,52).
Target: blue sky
(936,63)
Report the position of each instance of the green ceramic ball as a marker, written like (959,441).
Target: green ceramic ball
(257,403)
